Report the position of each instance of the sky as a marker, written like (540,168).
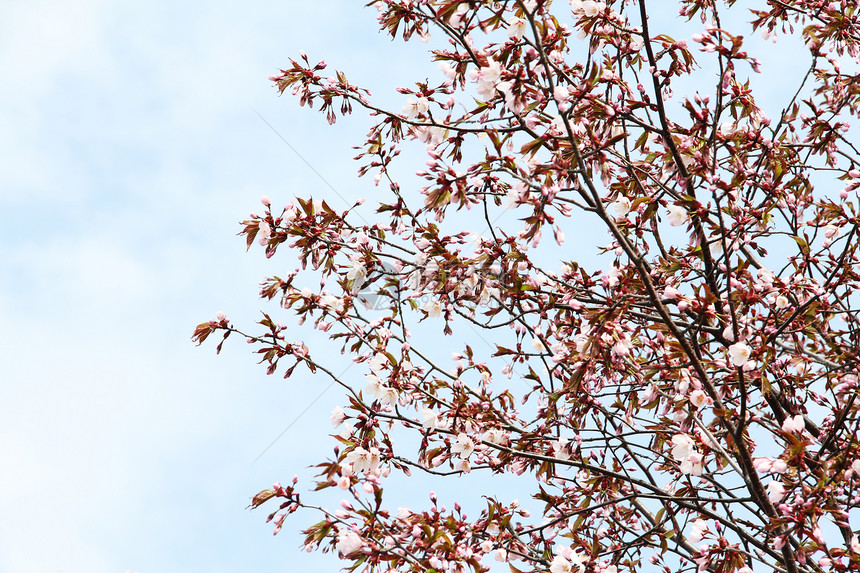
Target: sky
(131,149)
(134,137)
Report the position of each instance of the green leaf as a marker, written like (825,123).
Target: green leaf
(802,243)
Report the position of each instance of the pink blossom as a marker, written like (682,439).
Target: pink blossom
(794,424)
(671,293)
(778,467)
(649,394)
(699,399)
(607,366)
(779,542)
(763,465)
(622,347)
(348,543)
(775,491)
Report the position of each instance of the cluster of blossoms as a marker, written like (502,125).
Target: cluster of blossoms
(685,398)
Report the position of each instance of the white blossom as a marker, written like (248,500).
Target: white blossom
(516,28)
(431,134)
(677,215)
(463,465)
(362,460)
(488,77)
(429,419)
(377,388)
(621,206)
(592,8)
(464,446)
(568,561)
(494,436)
(765,275)
(414,108)
(448,69)
(265,232)
(558,449)
(337,416)
(332,303)
(378,361)
(581,341)
(700,526)
(433,307)
(513,197)
(357,274)
(739,353)
(685,453)
(560,565)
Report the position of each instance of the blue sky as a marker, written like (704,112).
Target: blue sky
(131,148)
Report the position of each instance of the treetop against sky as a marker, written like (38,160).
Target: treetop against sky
(613,270)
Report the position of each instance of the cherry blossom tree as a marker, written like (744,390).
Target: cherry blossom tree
(683,397)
